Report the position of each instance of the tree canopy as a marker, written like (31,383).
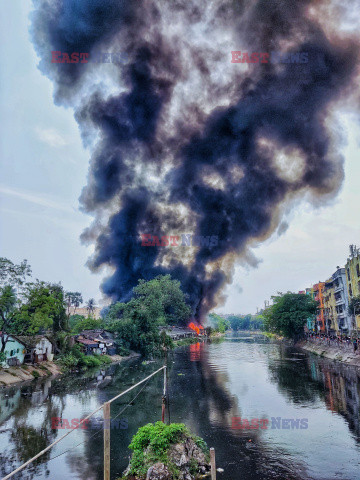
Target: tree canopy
(288,314)
(157,302)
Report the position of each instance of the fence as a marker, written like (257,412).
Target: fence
(106,413)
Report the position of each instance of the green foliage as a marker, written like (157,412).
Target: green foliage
(187,341)
(76,358)
(122,351)
(2,357)
(218,323)
(43,309)
(12,274)
(35,374)
(157,302)
(354,306)
(86,324)
(151,444)
(75,320)
(73,299)
(246,322)
(287,316)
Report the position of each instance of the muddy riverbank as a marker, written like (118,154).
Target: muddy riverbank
(24,373)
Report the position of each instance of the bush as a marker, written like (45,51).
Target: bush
(68,361)
(151,443)
(76,358)
(122,351)
(89,361)
(35,374)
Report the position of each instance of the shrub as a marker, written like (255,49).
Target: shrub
(123,351)
(68,361)
(90,361)
(35,374)
(151,443)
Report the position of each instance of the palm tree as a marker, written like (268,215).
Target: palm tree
(90,306)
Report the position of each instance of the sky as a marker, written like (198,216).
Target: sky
(44,166)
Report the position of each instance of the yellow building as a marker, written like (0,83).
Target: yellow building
(330,313)
(353,276)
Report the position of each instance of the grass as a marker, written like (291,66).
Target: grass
(187,341)
(42,367)
(151,444)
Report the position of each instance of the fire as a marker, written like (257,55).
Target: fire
(196,328)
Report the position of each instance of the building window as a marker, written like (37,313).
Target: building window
(350,290)
(358,270)
(348,273)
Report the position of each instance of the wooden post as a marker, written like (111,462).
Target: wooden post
(106,412)
(163,399)
(212,463)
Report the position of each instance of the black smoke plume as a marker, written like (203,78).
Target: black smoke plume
(183,140)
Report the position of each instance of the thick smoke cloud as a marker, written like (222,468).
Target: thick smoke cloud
(187,142)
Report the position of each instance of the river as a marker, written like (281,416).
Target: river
(209,385)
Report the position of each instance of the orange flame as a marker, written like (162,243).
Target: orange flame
(196,328)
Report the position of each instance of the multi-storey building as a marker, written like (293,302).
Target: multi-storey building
(318,296)
(353,278)
(341,300)
(330,314)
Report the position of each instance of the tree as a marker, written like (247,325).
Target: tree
(218,323)
(12,280)
(87,324)
(43,309)
(157,302)
(354,307)
(90,306)
(166,293)
(8,302)
(287,316)
(12,274)
(73,299)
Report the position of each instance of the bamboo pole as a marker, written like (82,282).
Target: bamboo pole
(106,412)
(163,399)
(212,463)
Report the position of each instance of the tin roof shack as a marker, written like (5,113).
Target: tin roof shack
(14,351)
(98,342)
(89,347)
(38,348)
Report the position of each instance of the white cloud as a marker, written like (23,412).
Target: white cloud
(51,137)
(37,199)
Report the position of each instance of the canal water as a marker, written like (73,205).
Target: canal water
(212,386)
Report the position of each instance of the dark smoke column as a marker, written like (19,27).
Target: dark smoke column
(186,141)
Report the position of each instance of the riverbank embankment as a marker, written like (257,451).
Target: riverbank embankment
(344,353)
(24,373)
(10,376)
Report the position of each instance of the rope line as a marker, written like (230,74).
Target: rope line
(82,421)
(96,433)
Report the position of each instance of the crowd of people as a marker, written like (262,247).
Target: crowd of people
(339,341)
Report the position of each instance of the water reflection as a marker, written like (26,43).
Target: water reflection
(208,385)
